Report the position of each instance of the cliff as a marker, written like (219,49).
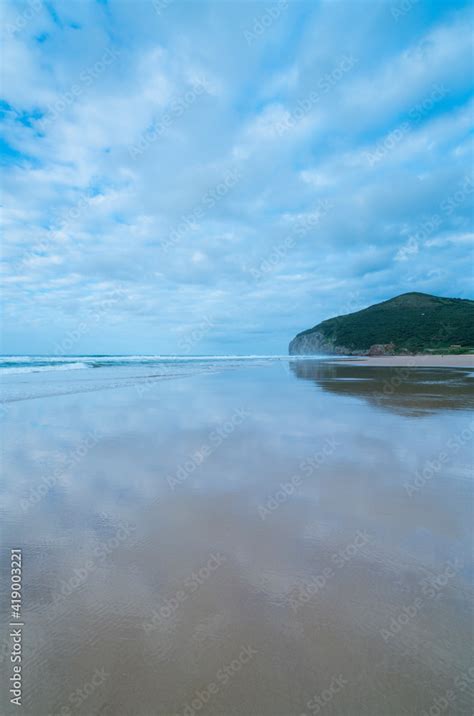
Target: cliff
(410,323)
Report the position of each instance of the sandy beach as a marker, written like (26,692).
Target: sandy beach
(240,537)
(417,361)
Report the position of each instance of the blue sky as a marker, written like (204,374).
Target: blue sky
(213,177)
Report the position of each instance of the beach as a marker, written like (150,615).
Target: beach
(260,537)
(237,358)
(413,361)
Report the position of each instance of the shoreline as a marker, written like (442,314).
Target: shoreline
(463,360)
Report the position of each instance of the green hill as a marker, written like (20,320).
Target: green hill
(412,322)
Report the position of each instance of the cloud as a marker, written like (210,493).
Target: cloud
(323,109)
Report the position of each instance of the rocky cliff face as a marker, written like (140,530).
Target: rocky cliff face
(315,344)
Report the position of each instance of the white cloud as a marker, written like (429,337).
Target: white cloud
(85,220)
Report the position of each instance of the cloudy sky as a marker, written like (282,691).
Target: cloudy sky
(213,177)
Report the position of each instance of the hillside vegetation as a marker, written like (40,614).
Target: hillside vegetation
(412,322)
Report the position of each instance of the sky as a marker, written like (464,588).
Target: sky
(214,177)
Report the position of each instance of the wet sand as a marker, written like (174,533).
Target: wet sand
(428,361)
(270,540)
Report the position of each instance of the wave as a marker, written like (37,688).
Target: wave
(40,368)
(36,364)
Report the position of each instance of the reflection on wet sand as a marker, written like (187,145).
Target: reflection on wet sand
(154,584)
(408,391)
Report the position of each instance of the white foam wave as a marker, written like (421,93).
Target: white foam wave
(42,368)
(39,364)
